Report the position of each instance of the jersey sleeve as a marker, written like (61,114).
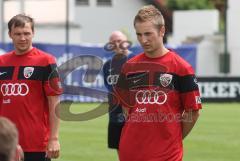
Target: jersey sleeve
(189,90)
(52,83)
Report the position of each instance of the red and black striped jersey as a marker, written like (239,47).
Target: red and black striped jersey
(155,91)
(26,81)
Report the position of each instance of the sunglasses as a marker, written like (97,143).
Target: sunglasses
(110,46)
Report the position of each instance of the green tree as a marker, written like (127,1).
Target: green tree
(189,4)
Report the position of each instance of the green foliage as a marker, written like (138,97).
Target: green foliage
(189,4)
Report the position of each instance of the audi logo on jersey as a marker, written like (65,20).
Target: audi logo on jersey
(16,89)
(151,97)
(112,79)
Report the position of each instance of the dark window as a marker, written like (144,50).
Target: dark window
(82,2)
(104,2)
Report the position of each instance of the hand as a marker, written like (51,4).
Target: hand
(53,149)
(19,154)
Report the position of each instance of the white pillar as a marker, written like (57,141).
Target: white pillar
(22,6)
(233,27)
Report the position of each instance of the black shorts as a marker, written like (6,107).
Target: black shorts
(35,156)
(114,133)
(116,123)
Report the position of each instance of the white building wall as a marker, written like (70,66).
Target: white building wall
(50,19)
(194,23)
(54,35)
(202,24)
(97,22)
(188,23)
(43,11)
(233,30)
(208,53)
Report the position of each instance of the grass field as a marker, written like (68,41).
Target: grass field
(216,136)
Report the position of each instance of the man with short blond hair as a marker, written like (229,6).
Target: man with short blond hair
(159,92)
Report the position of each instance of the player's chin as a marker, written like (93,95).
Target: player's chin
(23,48)
(147,50)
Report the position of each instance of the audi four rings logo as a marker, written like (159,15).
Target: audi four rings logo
(16,89)
(151,97)
(112,79)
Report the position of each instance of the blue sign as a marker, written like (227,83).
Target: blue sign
(90,55)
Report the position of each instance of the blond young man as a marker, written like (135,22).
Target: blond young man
(160,95)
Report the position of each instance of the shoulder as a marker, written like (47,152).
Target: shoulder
(107,63)
(182,66)
(131,55)
(43,53)
(5,57)
(44,56)
(135,58)
(130,64)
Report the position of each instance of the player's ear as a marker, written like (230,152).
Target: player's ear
(9,34)
(162,31)
(33,33)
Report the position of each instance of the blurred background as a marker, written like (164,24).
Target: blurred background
(205,33)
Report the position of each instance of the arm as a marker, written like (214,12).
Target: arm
(19,154)
(106,73)
(53,148)
(189,120)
